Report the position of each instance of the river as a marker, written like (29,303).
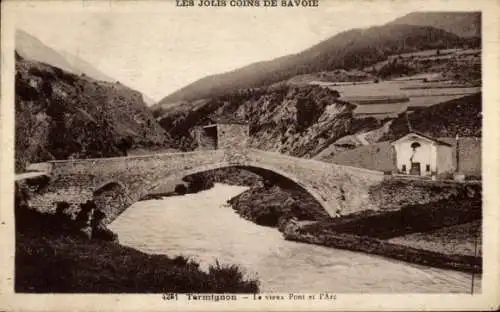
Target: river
(204,228)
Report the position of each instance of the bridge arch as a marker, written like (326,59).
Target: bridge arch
(250,166)
(110,184)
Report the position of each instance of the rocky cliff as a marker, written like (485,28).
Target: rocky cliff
(299,121)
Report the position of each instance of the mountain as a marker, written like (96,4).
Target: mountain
(307,120)
(80,66)
(463,24)
(31,48)
(352,49)
(60,115)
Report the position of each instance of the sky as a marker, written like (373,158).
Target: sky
(157,47)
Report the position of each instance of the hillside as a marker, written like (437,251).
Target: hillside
(429,71)
(80,66)
(461,117)
(311,120)
(298,121)
(60,115)
(464,24)
(31,48)
(352,49)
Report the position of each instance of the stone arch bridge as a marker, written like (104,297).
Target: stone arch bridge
(116,183)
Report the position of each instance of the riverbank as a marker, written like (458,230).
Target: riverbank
(405,249)
(431,234)
(435,224)
(273,206)
(51,260)
(65,264)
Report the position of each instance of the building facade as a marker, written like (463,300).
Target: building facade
(421,155)
(222,135)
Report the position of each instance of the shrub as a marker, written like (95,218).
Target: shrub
(223,276)
(395,69)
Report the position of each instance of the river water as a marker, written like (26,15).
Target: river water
(204,228)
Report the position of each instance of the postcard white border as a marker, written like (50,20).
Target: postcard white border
(487,300)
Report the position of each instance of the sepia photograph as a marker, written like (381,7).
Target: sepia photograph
(279,150)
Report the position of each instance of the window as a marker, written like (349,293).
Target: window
(415,145)
(404,168)
(427,168)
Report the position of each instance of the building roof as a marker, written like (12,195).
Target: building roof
(421,135)
(228,120)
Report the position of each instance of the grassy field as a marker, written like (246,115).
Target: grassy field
(387,97)
(426,53)
(425,101)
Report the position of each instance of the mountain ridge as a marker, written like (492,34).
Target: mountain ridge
(464,24)
(349,49)
(32,48)
(81,66)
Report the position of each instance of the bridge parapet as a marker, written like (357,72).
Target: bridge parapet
(105,166)
(320,166)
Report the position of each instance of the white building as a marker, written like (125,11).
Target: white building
(418,154)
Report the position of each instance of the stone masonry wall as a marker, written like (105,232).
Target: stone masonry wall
(207,138)
(73,189)
(232,136)
(339,189)
(75,181)
(394,194)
